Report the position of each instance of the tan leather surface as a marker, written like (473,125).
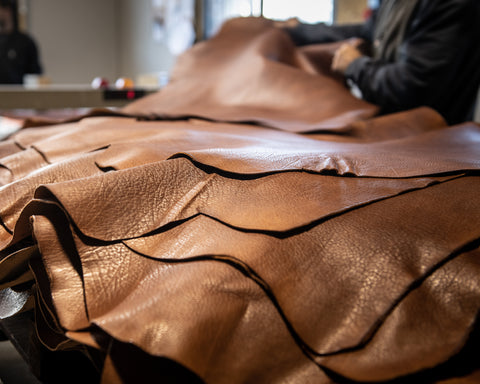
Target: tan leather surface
(239,248)
(22,163)
(16,195)
(186,191)
(355,264)
(84,136)
(356,274)
(247,149)
(28,136)
(14,267)
(66,284)
(438,151)
(394,126)
(8,147)
(444,304)
(47,327)
(171,326)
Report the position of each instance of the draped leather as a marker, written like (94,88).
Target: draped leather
(258,76)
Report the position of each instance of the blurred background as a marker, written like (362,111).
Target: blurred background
(124,44)
(80,40)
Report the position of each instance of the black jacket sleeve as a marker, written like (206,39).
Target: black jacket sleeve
(33,58)
(305,34)
(440,42)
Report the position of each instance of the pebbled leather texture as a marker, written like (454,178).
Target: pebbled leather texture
(270,246)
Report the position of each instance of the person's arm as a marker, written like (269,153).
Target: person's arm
(304,34)
(423,71)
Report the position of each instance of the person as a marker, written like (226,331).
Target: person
(18,52)
(422,52)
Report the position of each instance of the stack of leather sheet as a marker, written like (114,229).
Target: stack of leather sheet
(252,222)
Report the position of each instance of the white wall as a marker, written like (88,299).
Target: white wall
(79,40)
(139,53)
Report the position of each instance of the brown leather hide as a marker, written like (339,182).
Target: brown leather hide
(230,247)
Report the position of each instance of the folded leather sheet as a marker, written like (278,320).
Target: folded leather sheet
(251,71)
(230,247)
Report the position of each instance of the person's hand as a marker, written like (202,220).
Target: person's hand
(345,55)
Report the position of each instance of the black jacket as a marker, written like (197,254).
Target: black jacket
(18,56)
(439,64)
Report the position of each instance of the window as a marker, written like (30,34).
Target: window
(308,11)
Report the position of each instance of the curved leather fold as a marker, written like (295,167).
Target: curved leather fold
(274,203)
(171,319)
(366,279)
(371,263)
(453,149)
(16,195)
(431,323)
